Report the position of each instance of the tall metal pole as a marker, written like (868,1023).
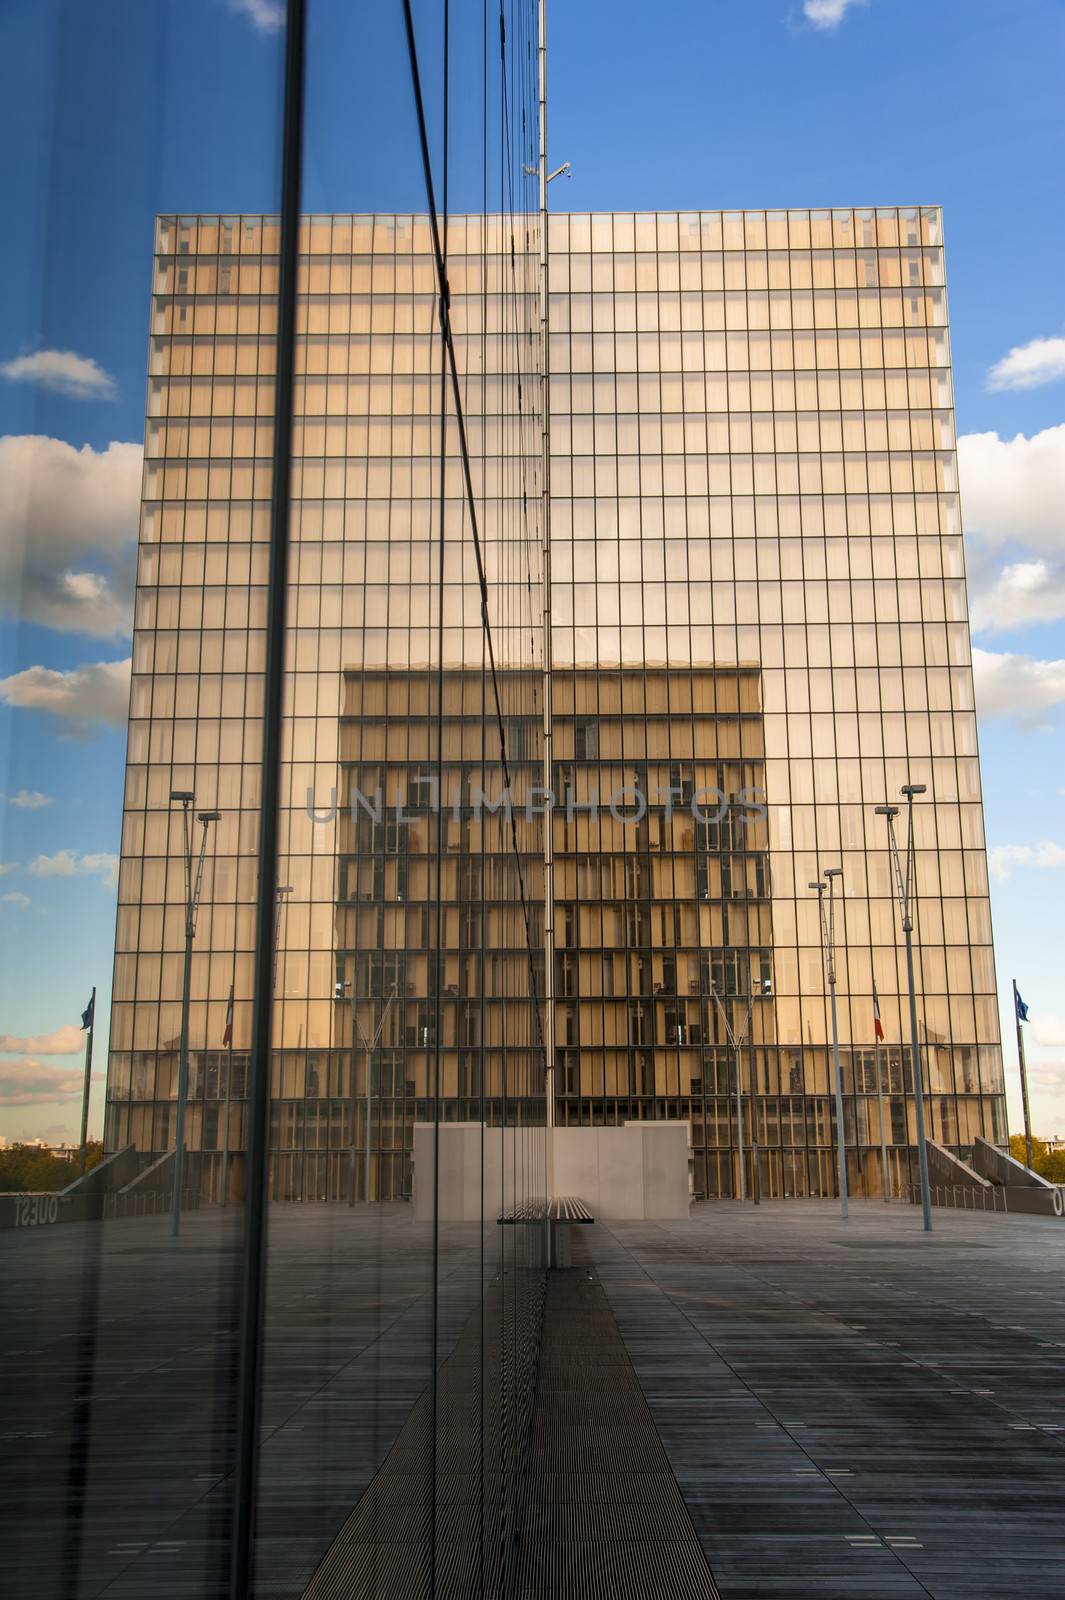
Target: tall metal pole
(906,887)
(183,1056)
(226,1114)
(193,882)
(918,1083)
(545,519)
(828,947)
(1024,1080)
(756,1177)
(369,1045)
(737,1045)
(88,1081)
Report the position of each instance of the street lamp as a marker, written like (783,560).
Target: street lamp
(736,1041)
(906,888)
(193,883)
(828,948)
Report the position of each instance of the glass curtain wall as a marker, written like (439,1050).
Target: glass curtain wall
(238,1391)
(758,578)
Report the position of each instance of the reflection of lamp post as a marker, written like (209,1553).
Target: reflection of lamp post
(906,888)
(736,1041)
(283,889)
(369,1045)
(193,884)
(828,947)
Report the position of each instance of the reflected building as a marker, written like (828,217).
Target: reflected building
(758,633)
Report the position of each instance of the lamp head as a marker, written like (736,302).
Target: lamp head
(185,796)
(209,816)
(820,887)
(833,872)
(886,811)
(910,789)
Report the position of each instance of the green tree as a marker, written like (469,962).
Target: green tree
(27,1169)
(1049,1164)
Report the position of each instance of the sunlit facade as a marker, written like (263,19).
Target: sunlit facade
(759,633)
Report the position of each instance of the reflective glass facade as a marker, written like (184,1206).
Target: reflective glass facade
(759,633)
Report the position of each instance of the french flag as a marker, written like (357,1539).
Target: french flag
(227,1037)
(878,1026)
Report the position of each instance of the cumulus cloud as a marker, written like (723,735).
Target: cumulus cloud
(83,698)
(68,530)
(266,15)
(1048,1030)
(63,372)
(71,863)
(1003,858)
(1017,687)
(29,800)
(31,1083)
(66,1040)
(1018,595)
(1013,490)
(16,898)
(828,13)
(1028,366)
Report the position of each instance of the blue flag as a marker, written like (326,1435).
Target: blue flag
(88,1014)
(1022,1009)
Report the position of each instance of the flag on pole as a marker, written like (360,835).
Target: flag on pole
(227,1037)
(89,1014)
(1022,1009)
(878,1026)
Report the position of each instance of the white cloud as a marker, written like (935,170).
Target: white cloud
(1003,858)
(63,372)
(29,800)
(71,863)
(66,1040)
(266,15)
(31,1083)
(1048,1030)
(16,898)
(1015,596)
(1017,687)
(828,13)
(1030,365)
(82,698)
(6,867)
(68,530)
(1013,490)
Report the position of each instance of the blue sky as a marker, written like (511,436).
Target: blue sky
(111,113)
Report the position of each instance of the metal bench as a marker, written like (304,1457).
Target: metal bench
(558,1213)
(563,1208)
(567,1208)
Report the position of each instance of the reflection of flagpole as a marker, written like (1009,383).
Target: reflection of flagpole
(90,1012)
(227,1040)
(878,1034)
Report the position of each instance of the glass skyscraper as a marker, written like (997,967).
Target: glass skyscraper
(758,633)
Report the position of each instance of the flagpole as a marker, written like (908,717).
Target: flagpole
(88,1080)
(1024,1079)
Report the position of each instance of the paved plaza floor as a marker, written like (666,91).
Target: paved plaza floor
(848,1410)
(855,1409)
